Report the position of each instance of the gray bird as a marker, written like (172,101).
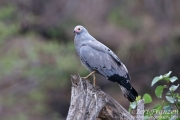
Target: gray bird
(98,58)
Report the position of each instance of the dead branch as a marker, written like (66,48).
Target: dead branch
(88,102)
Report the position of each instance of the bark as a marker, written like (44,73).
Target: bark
(88,102)
(140,110)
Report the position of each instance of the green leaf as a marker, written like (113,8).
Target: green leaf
(178,104)
(156,79)
(147,98)
(170,99)
(165,103)
(138,98)
(147,115)
(173,87)
(177,95)
(159,91)
(168,74)
(167,79)
(174,117)
(130,109)
(168,107)
(133,105)
(158,107)
(168,93)
(173,79)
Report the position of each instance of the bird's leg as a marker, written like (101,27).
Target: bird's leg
(94,79)
(88,75)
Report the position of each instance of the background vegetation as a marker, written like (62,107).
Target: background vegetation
(37,54)
(169,107)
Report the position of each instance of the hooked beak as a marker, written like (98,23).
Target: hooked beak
(74,31)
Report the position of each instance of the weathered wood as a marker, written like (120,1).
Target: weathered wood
(140,110)
(88,102)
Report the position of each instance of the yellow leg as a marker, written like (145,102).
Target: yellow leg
(88,75)
(94,79)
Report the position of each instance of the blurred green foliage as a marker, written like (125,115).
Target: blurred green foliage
(44,65)
(30,68)
(8,22)
(169,107)
(119,17)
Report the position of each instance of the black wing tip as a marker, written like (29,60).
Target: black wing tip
(117,78)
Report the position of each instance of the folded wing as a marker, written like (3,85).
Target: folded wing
(100,58)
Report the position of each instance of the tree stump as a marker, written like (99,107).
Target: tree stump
(88,102)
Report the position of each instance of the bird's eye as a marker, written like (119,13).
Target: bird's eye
(79,28)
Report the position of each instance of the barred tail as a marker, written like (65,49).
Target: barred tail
(130,94)
(124,83)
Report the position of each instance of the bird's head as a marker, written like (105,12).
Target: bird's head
(79,29)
